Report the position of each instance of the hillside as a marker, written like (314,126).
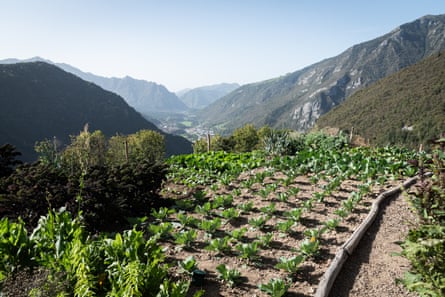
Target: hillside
(203,96)
(145,96)
(407,108)
(40,101)
(296,100)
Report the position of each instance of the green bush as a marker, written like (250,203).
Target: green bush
(125,264)
(105,195)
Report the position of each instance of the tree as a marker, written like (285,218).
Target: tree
(86,149)
(49,151)
(146,145)
(8,160)
(245,138)
(117,152)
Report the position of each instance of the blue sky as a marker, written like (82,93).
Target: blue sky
(191,43)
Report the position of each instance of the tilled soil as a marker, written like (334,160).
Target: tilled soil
(305,281)
(374,266)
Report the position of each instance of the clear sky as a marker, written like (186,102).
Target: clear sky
(190,43)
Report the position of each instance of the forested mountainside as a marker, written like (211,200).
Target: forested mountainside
(41,101)
(406,108)
(297,100)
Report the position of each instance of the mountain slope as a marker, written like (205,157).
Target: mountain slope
(406,108)
(297,99)
(40,101)
(203,96)
(146,97)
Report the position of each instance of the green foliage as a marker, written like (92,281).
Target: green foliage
(162,230)
(425,248)
(265,240)
(294,214)
(85,151)
(276,143)
(248,250)
(109,194)
(290,265)
(186,220)
(309,247)
(188,265)
(205,209)
(207,168)
(332,223)
(323,141)
(162,213)
(259,222)
(245,138)
(127,264)
(276,287)
(146,145)
(246,207)
(399,108)
(230,213)
(269,209)
(230,276)
(49,151)
(238,234)
(185,238)
(16,247)
(210,226)
(285,226)
(219,245)
(8,155)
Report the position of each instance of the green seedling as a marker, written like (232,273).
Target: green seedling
(293,191)
(294,214)
(259,222)
(188,265)
(238,234)
(331,224)
(283,196)
(162,230)
(276,287)
(341,212)
(205,209)
(290,265)
(265,240)
(187,220)
(219,245)
(246,207)
(286,226)
(309,247)
(185,238)
(248,250)
(269,210)
(210,226)
(162,213)
(230,213)
(229,276)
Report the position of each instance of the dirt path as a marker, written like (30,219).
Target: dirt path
(372,269)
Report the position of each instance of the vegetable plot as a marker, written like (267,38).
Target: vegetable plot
(278,221)
(241,225)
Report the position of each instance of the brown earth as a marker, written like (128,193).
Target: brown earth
(374,266)
(363,275)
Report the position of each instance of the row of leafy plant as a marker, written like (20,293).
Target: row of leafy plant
(325,167)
